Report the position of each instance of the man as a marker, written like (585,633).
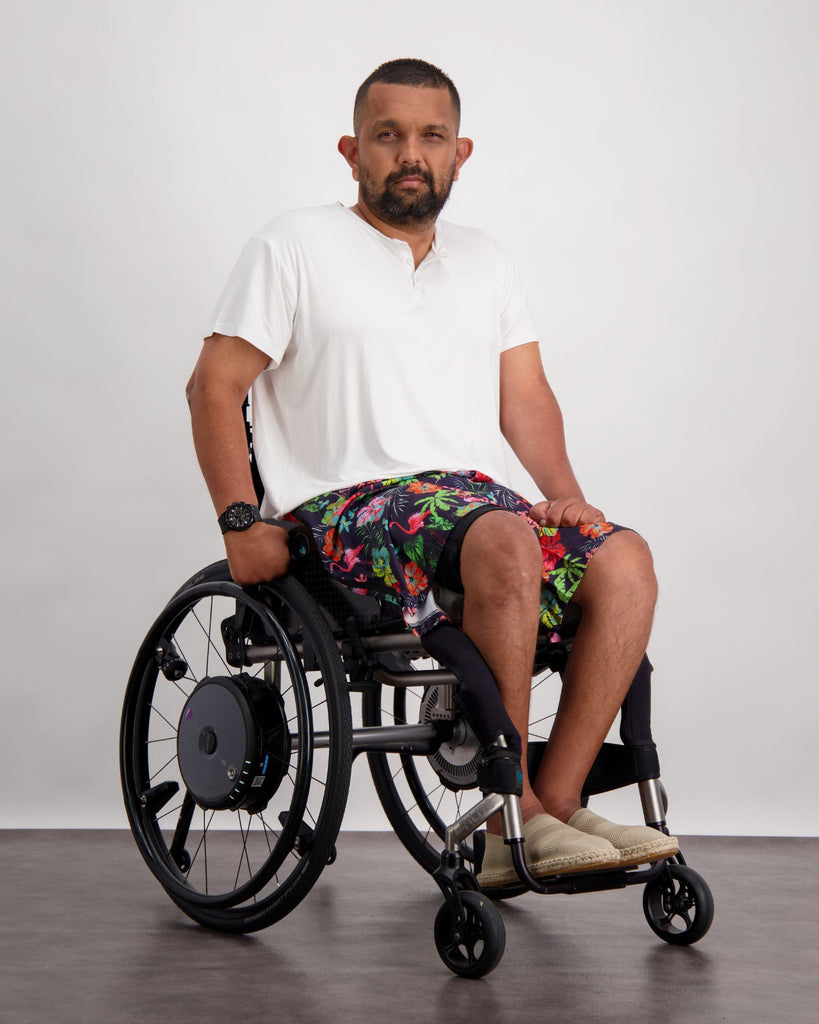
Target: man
(388,353)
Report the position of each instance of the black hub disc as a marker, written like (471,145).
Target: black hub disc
(233,743)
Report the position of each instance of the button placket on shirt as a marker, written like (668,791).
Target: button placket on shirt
(417,286)
(413,270)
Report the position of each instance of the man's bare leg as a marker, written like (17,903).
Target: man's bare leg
(501,571)
(618,594)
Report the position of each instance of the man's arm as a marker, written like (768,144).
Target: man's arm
(220,381)
(532,423)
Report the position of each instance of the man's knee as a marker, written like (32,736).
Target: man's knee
(623,565)
(501,546)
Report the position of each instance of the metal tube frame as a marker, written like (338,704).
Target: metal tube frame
(424,739)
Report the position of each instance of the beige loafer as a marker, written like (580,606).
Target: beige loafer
(636,844)
(551,848)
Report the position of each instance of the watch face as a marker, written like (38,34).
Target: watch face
(239,516)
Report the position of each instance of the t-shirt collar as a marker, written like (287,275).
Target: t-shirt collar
(437,249)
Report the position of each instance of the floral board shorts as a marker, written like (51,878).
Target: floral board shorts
(386,537)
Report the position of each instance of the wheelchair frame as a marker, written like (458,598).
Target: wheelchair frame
(233,735)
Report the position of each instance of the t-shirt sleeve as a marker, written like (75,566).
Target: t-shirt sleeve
(515,320)
(258,302)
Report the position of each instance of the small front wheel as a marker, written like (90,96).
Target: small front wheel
(678,905)
(470,944)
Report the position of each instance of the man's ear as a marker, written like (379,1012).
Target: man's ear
(348,147)
(463,151)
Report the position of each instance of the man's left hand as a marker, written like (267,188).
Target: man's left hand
(565,512)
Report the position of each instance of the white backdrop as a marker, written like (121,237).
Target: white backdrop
(652,166)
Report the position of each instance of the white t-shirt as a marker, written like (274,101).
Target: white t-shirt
(377,369)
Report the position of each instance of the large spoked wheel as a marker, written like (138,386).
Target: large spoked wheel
(470,944)
(233,803)
(678,905)
(422,796)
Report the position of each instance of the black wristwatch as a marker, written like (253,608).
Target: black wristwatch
(239,516)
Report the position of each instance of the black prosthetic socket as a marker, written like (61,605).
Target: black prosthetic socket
(477,695)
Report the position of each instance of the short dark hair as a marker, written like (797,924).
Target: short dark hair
(406,71)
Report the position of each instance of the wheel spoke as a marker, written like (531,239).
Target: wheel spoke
(210,645)
(210,634)
(169,812)
(267,832)
(170,760)
(184,657)
(205,846)
(157,712)
(437,808)
(244,856)
(202,845)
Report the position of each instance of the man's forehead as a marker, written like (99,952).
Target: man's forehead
(398,103)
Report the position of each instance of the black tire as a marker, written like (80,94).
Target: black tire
(474,946)
(417,802)
(678,905)
(241,867)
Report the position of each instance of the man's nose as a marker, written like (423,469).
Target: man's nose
(410,151)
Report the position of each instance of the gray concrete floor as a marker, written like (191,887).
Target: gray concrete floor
(87,935)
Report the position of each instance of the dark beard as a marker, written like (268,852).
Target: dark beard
(394,208)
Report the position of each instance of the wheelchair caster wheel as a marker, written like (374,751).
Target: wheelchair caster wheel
(474,945)
(678,905)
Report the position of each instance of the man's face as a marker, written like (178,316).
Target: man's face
(407,153)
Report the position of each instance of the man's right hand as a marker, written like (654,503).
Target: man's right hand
(258,554)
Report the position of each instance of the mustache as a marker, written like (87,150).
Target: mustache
(409,172)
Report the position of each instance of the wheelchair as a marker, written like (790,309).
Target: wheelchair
(237,742)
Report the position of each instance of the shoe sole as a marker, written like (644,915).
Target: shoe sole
(648,853)
(548,868)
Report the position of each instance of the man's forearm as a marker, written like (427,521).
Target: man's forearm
(534,430)
(221,445)
(224,373)
(532,423)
